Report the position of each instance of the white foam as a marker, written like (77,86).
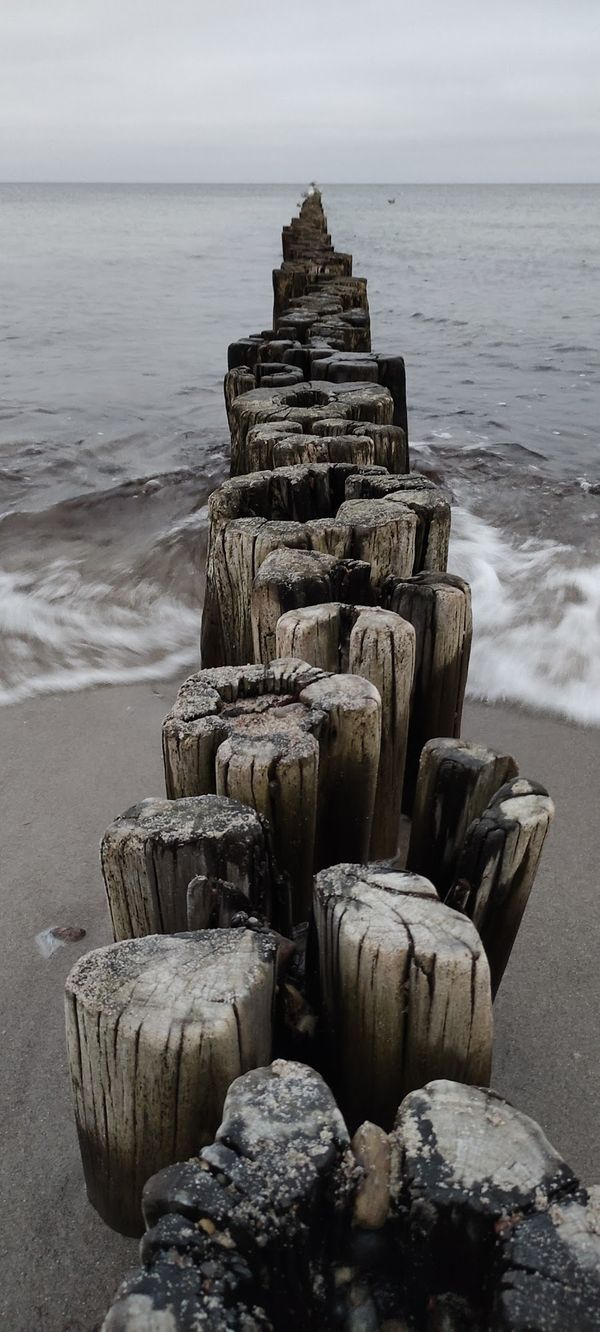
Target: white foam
(536,614)
(62,633)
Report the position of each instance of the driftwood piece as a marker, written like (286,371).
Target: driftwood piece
(298,745)
(455,782)
(405,989)
(157,1030)
(289,579)
(439,608)
(150,854)
(305,403)
(497,867)
(380,646)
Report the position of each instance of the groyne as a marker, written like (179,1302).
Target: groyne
(280,1067)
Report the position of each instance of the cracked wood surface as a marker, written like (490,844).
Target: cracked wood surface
(157,1030)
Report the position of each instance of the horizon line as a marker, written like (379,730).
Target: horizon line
(284,184)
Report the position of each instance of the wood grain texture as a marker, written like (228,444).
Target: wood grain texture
(405,989)
(297,744)
(380,646)
(496,870)
(151,853)
(439,608)
(455,783)
(157,1030)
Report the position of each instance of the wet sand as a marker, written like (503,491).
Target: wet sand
(70,763)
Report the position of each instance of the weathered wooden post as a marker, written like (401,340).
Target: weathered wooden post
(455,782)
(495,872)
(425,500)
(289,579)
(439,608)
(150,854)
(298,745)
(157,1030)
(306,403)
(301,507)
(404,987)
(468,1169)
(377,644)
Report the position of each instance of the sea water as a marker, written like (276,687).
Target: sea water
(117,305)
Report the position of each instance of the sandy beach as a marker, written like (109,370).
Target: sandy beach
(72,762)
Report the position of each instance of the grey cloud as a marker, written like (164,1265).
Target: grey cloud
(175,90)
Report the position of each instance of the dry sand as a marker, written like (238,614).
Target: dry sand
(71,763)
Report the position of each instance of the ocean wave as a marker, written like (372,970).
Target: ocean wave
(536,617)
(65,634)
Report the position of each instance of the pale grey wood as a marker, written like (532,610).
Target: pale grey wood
(150,854)
(496,870)
(429,505)
(239,380)
(439,608)
(297,744)
(405,989)
(306,403)
(349,744)
(382,534)
(380,646)
(297,507)
(389,442)
(293,578)
(478,1161)
(157,1030)
(277,773)
(455,782)
(296,449)
(262,440)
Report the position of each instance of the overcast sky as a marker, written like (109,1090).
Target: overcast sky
(266,90)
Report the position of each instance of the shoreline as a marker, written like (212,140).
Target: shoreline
(72,763)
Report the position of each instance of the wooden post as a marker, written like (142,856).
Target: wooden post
(466,1167)
(380,646)
(291,578)
(348,767)
(301,507)
(298,745)
(262,439)
(455,782)
(254,1223)
(214,903)
(296,449)
(306,403)
(157,1030)
(150,854)
(382,534)
(439,608)
(405,989)
(422,497)
(240,380)
(389,441)
(495,873)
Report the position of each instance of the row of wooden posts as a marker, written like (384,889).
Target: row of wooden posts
(314,773)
